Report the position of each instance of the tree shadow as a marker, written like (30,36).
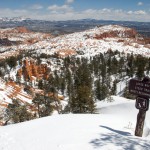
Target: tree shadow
(120,139)
(117,131)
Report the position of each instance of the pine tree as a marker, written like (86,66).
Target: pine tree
(126,93)
(121,66)
(17,112)
(56,80)
(46,108)
(148,66)
(43,104)
(12,61)
(104,92)
(114,65)
(82,97)
(114,88)
(40,84)
(97,90)
(103,70)
(62,85)
(109,68)
(130,64)
(38,101)
(83,102)
(141,64)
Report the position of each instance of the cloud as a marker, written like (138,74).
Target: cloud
(106,10)
(69,1)
(66,12)
(7,12)
(139,12)
(140,3)
(130,12)
(36,6)
(59,9)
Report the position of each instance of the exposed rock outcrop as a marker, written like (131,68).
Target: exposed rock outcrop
(128,33)
(31,70)
(22,30)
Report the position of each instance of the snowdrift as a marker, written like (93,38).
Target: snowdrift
(111,129)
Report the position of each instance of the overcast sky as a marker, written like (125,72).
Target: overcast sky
(128,10)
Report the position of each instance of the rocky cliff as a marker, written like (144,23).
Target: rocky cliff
(127,33)
(31,71)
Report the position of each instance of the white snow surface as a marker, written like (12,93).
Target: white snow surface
(81,43)
(111,129)
(8,91)
(87,45)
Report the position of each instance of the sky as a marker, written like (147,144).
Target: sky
(125,10)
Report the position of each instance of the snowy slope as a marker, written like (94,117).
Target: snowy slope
(87,43)
(112,129)
(11,90)
(94,41)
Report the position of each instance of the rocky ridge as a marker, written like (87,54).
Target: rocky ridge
(89,42)
(14,41)
(30,70)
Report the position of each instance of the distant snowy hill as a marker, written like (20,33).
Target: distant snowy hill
(13,19)
(87,43)
(111,129)
(95,41)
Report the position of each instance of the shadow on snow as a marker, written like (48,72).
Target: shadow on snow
(120,138)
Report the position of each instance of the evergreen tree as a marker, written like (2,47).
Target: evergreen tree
(126,93)
(83,102)
(96,66)
(141,64)
(12,61)
(56,80)
(46,108)
(1,73)
(114,88)
(43,104)
(62,85)
(98,90)
(121,66)
(67,62)
(103,71)
(17,112)
(130,64)
(114,65)
(109,67)
(40,84)
(38,101)
(104,92)
(148,66)
(82,97)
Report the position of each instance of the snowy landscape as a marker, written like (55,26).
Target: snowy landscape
(112,128)
(70,92)
(74,75)
(88,43)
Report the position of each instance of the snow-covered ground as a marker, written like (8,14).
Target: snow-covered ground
(9,91)
(80,43)
(111,129)
(86,43)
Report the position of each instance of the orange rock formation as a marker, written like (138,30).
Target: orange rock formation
(31,70)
